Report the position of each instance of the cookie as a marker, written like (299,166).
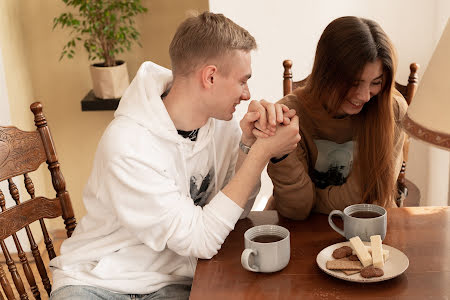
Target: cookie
(341,252)
(371,271)
(350,272)
(353,257)
(343,265)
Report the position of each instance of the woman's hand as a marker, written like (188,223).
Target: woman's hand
(262,118)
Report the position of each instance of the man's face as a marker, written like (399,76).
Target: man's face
(231,85)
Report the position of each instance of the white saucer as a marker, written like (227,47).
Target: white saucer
(397,263)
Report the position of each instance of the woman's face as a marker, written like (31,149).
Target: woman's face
(363,89)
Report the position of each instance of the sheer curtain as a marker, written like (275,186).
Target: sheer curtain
(4,104)
(5,119)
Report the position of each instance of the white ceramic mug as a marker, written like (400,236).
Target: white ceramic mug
(363,220)
(267,248)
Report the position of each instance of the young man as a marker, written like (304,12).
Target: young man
(168,182)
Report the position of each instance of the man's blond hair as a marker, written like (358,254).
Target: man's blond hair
(206,38)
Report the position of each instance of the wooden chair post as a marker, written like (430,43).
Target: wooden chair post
(287,77)
(58,181)
(408,92)
(413,80)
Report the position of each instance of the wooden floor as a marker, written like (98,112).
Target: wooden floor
(57,237)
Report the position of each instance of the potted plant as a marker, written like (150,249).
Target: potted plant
(106,29)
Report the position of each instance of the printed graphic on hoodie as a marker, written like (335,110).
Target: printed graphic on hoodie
(334,163)
(200,187)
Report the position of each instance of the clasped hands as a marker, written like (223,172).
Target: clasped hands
(273,125)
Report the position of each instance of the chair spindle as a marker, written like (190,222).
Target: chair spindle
(5,284)
(34,247)
(22,256)
(13,270)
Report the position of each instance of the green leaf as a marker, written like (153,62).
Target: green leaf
(105,27)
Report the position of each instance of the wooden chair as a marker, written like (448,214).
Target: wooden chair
(22,152)
(408,92)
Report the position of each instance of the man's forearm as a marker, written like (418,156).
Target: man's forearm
(248,173)
(241,155)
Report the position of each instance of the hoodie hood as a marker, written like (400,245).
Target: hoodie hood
(139,102)
(142,103)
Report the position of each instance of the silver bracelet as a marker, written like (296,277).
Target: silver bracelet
(244,147)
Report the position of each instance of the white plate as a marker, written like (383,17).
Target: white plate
(397,263)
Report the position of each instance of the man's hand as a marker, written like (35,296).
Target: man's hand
(262,118)
(283,142)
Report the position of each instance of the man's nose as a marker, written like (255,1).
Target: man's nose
(245,94)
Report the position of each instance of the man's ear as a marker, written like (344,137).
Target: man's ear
(208,75)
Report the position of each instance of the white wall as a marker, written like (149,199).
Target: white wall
(291,28)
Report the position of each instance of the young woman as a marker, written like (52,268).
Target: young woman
(350,124)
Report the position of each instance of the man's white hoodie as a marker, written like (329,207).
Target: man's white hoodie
(143,230)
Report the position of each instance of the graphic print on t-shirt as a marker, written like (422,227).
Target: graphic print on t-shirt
(334,163)
(200,187)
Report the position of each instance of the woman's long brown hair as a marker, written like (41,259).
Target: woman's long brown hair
(345,47)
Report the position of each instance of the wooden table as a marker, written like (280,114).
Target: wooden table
(422,233)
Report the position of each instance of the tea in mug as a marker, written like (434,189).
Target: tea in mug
(267,238)
(364,214)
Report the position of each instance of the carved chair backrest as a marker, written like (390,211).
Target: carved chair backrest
(22,152)
(407,91)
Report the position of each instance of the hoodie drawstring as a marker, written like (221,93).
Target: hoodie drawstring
(183,162)
(216,188)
